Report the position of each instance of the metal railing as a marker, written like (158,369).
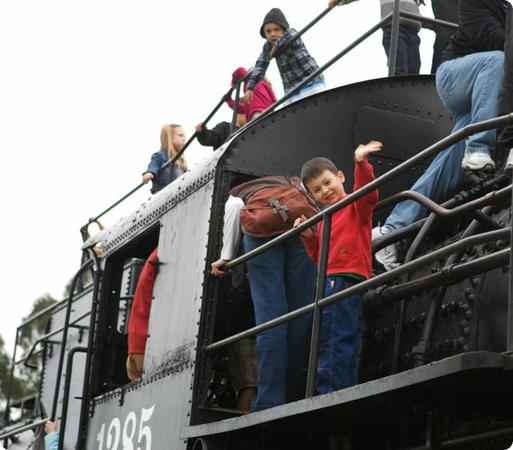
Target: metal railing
(408,267)
(392,17)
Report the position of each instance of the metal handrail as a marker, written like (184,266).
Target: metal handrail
(23,428)
(378,182)
(44,338)
(164,166)
(87,265)
(365,285)
(287,96)
(370,283)
(67,388)
(216,108)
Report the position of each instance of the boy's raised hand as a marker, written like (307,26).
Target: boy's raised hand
(307,234)
(363,151)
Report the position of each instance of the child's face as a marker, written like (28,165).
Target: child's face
(327,188)
(273,32)
(178,138)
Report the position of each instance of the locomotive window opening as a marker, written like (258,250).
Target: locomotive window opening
(120,278)
(231,373)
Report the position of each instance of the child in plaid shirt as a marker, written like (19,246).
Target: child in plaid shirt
(294,62)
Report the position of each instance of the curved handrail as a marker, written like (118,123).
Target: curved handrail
(370,283)
(380,181)
(287,96)
(195,134)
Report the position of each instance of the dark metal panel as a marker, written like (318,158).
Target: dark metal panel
(436,375)
(405,113)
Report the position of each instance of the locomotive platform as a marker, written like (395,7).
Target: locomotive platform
(458,379)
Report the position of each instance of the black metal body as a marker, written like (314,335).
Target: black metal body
(453,288)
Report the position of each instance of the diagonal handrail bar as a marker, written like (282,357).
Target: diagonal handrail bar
(212,113)
(287,96)
(370,283)
(426,153)
(164,166)
(378,182)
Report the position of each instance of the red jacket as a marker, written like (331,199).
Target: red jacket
(140,311)
(263,96)
(350,237)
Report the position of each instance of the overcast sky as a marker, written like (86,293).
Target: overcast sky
(85,87)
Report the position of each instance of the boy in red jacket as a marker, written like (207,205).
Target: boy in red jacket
(349,262)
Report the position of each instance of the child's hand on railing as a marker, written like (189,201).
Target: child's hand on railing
(216,268)
(333,3)
(148,176)
(248,97)
(306,234)
(363,151)
(199,127)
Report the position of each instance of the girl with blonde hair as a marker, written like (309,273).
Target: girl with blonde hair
(172,140)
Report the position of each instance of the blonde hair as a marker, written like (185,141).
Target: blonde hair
(166,142)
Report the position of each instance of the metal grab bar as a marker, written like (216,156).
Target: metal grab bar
(67,388)
(87,265)
(167,164)
(216,108)
(378,182)
(440,210)
(370,283)
(45,337)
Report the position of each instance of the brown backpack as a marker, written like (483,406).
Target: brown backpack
(273,210)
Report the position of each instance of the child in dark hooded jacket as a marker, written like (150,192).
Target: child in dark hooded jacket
(294,62)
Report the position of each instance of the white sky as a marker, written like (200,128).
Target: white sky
(85,87)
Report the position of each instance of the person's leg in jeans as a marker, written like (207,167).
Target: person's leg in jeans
(413,48)
(471,84)
(505,99)
(462,85)
(300,277)
(267,286)
(440,180)
(401,63)
(339,339)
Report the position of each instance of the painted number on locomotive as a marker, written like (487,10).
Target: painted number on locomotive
(125,434)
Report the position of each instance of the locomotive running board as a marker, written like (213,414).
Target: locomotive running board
(439,379)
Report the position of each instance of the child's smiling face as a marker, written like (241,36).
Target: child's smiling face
(327,188)
(273,32)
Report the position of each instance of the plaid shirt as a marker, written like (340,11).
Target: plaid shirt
(294,64)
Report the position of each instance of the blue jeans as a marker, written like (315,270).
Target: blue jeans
(339,338)
(468,86)
(281,280)
(408,43)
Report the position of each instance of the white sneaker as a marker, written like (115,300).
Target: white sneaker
(386,256)
(477,161)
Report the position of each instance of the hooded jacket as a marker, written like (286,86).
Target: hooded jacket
(263,96)
(275,15)
(293,60)
(482,24)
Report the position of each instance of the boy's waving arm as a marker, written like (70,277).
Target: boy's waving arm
(364,174)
